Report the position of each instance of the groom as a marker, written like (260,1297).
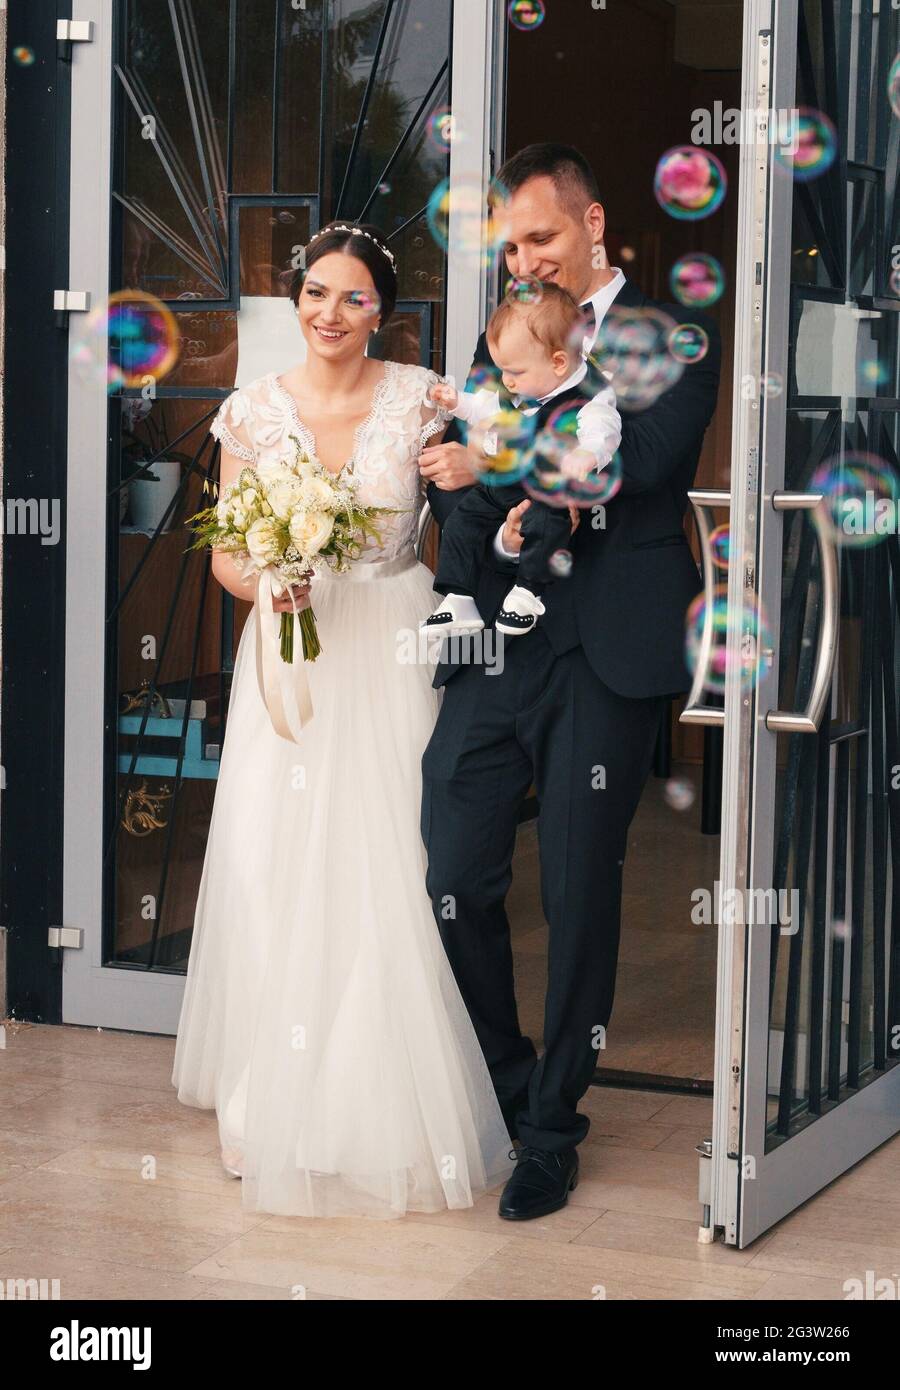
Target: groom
(576,708)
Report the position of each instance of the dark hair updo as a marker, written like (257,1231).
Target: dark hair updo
(368,244)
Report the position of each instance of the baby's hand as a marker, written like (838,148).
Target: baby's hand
(442,393)
(577,464)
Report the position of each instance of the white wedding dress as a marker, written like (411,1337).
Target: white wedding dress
(321,1018)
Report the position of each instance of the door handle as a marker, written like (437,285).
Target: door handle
(695,712)
(807,721)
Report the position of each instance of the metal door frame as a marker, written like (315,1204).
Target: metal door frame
(751,1188)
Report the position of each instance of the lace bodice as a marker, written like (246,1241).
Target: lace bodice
(256,423)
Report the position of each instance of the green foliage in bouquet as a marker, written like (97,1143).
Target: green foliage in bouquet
(297,517)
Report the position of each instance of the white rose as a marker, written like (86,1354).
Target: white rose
(310,531)
(262,542)
(248,496)
(282,497)
(223,513)
(239,518)
(315,493)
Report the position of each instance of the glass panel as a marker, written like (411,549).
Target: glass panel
(862,208)
(830,970)
(201,150)
(798,853)
(384,161)
(173,90)
(844,350)
(169,642)
(255,55)
(298,129)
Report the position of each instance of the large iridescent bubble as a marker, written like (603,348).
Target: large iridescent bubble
(753,639)
(124,342)
(690,183)
(633,346)
(501,446)
(561,473)
(469,218)
(860,498)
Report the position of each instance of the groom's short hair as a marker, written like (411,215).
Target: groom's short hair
(572,176)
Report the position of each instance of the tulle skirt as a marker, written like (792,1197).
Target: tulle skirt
(321,1018)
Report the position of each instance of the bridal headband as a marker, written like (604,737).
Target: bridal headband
(356,231)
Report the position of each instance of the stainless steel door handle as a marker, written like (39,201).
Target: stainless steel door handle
(695,712)
(807,721)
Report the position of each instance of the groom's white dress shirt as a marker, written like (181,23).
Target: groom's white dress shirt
(600,302)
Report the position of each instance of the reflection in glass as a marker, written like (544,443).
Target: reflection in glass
(843,350)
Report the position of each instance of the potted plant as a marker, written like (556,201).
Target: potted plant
(149,486)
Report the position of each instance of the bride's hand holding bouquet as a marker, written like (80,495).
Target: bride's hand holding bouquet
(284,525)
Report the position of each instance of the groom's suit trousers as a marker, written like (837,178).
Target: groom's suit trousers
(545,717)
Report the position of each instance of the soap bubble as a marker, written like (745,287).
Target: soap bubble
(524,289)
(562,474)
(471,218)
(720,546)
(526,14)
(442,129)
(560,564)
(894,86)
(366,300)
(502,446)
(860,493)
(633,346)
(484,377)
(679,794)
(813,145)
(688,343)
(753,640)
(124,341)
(697,280)
(874,373)
(690,183)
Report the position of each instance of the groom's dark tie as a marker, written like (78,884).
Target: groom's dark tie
(590,320)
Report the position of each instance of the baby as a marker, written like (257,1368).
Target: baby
(537,347)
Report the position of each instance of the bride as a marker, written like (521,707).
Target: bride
(321,1018)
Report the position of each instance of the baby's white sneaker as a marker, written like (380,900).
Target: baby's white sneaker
(519,613)
(455,613)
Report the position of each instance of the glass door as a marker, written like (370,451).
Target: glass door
(808,1016)
(209,141)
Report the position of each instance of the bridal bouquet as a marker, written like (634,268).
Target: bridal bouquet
(295,518)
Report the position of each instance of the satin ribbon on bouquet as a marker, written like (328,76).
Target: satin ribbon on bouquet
(283,685)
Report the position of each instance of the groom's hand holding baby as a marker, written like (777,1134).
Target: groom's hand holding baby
(448,466)
(512,529)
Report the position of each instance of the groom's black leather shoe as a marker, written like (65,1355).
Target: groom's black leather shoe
(541,1183)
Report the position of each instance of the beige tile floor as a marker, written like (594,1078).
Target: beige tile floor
(667,965)
(84,1113)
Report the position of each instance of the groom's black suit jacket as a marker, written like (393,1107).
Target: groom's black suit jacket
(632,582)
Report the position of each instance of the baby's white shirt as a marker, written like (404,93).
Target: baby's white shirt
(599,422)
